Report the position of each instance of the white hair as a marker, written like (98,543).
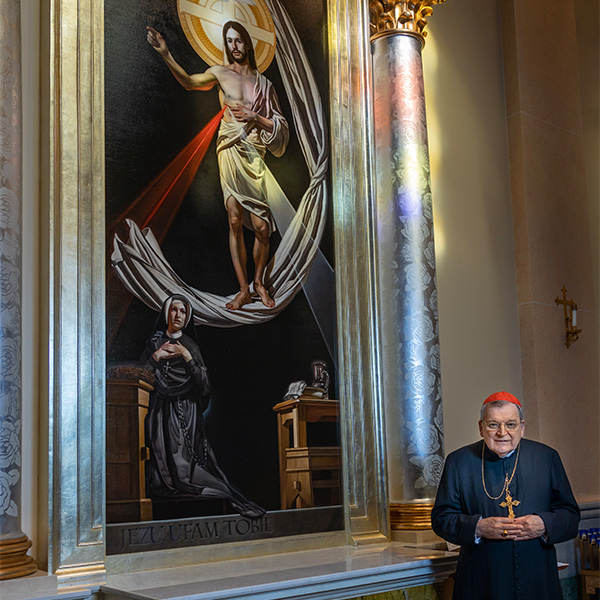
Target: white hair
(498,404)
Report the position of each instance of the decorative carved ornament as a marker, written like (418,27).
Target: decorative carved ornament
(412,516)
(397,17)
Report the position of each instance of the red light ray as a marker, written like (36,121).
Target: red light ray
(155,207)
(158,204)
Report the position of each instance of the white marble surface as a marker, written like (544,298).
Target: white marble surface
(342,572)
(39,586)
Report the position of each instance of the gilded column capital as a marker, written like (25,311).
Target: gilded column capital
(392,17)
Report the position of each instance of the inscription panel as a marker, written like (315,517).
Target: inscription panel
(125,538)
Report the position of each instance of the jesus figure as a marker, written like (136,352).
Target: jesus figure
(251,124)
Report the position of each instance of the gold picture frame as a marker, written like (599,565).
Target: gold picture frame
(73,323)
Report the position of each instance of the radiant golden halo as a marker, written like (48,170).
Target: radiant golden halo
(202,22)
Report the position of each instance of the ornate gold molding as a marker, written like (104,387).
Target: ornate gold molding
(414,515)
(14,561)
(391,17)
(73,272)
(353,200)
(74,230)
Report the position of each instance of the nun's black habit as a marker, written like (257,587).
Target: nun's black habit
(182,463)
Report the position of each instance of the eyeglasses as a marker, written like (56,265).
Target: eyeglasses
(510,426)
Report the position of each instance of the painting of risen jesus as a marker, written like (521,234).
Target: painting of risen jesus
(217,192)
(252,123)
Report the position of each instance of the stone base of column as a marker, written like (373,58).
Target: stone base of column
(14,561)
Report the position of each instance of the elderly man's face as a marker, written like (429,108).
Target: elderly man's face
(501,428)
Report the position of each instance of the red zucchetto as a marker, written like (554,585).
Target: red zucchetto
(502,397)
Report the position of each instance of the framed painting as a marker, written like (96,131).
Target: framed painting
(139,213)
(217,195)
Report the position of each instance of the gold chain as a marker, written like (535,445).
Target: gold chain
(506,481)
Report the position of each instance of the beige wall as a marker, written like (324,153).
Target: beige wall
(479,306)
(552,232)
(587,22)
(479,328)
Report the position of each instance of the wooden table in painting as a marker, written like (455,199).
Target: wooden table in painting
(304,469)
(126,451)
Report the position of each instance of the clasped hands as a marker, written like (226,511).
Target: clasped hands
(520,529)
(168,350)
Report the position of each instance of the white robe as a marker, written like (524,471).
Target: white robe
(147,274)
(241,148)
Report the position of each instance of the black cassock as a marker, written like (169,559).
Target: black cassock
(505,569)
(182,463)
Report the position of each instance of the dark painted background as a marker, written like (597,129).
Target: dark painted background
(149,118)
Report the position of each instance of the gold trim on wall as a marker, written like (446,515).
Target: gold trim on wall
(74,320)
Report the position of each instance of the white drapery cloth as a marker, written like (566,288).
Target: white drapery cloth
(241,148)
(146,273)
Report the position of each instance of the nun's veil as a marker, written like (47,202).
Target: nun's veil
(167,307)
(162,322)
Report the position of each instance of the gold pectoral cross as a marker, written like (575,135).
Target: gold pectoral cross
(509,503)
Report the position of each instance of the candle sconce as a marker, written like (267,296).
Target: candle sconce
(570,311)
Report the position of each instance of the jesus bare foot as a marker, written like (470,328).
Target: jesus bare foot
(260,289)
(240,300)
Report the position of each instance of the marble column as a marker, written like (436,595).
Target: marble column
(410,354)
(14,544)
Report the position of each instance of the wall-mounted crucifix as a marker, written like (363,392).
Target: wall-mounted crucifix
(570,312)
